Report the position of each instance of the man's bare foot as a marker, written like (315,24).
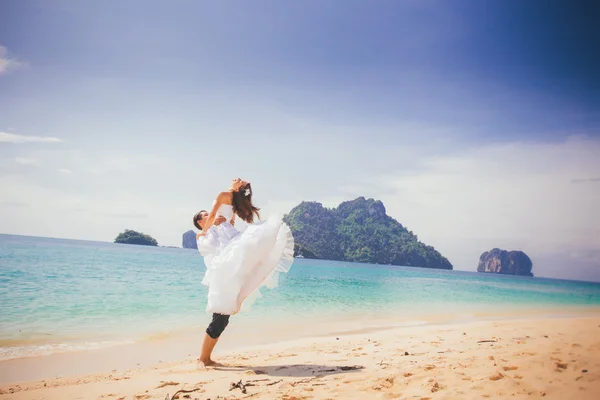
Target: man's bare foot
(209,363)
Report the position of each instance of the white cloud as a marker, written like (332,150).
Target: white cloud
(7,63)
(16,204)
(65,171)
(586,180)
(6,137)
(27,161)
(588,255)
(108,213)
(126,215)
(515,196)
(119,164)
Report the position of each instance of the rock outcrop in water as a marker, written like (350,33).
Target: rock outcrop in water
(189,240)
(359,231)
(505,262)
(133,237)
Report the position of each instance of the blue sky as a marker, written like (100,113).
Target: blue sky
(454,113)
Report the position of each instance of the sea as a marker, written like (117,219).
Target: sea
(62,295)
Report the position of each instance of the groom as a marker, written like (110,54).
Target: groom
(219,321)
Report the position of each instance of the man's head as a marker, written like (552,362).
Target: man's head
(200,219)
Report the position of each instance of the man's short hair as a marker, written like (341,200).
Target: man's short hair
(197,218)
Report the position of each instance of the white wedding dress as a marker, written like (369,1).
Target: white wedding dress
(238,264)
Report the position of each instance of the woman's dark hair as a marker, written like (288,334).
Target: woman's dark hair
(197,219)
(242,204)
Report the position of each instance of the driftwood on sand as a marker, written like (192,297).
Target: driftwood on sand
(176,395)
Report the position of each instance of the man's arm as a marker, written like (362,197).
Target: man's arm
(218,221)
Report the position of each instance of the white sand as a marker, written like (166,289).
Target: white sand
(533,358)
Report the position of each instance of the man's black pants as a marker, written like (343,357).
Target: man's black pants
(217,325)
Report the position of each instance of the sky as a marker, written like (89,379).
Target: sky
(476,123)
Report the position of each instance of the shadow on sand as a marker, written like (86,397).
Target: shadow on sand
(296,370)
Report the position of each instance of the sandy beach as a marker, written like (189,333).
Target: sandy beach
(556,358)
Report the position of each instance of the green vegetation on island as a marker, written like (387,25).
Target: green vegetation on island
(358,231)
(133,237)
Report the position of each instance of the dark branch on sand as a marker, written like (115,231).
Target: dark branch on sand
(240,385)
(259,380)
(304,381)
(343,368)
(176,395)
(351,368)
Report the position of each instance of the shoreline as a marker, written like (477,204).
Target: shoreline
(554,358)
(166,348)
(327,324)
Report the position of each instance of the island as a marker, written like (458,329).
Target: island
(188,240)
(505,262)
(359,231)
(133,237)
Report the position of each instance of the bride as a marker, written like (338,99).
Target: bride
(238,263)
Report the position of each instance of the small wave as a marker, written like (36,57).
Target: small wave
(22,351)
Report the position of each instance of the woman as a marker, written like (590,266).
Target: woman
(239,263)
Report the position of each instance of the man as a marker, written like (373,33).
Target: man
(207,245)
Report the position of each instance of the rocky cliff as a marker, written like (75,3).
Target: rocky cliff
(505,262)
(189,240)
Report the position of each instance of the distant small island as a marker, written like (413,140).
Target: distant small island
(505,262)
(360,231)
(188,240)
(133,237)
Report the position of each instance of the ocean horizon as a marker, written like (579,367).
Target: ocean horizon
(63,295)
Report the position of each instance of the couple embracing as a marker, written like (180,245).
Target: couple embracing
(238,262)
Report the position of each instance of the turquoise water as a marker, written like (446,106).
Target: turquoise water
(65,294)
